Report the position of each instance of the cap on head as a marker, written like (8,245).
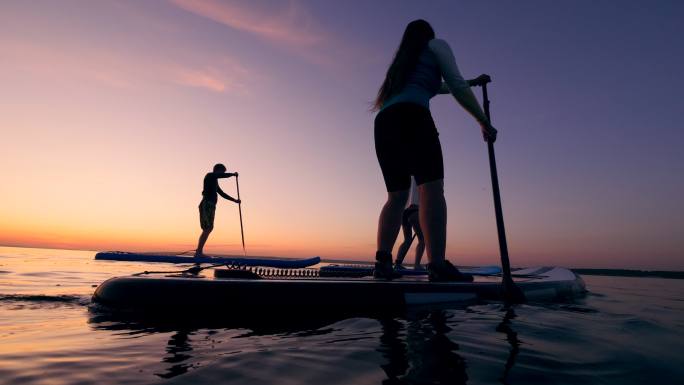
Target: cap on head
(219,167)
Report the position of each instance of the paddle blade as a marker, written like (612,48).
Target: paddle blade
(511,293)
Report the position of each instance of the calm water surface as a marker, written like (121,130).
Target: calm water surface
(626,331)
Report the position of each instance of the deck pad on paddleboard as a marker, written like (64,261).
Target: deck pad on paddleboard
(362,270)
(168,258)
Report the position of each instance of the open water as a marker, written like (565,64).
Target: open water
(625,331)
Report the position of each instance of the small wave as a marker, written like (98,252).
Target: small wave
(578,309)
(39,298)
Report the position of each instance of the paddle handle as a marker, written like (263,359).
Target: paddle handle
(242,230)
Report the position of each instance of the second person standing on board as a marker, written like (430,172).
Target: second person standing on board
(407,143)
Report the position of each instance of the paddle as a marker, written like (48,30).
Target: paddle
(511,292)
(242,230)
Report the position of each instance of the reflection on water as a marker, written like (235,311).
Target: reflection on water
(178,351)
(415,348)
(627,331)
(512,338)
(432,355)
(394,349)
(422,352)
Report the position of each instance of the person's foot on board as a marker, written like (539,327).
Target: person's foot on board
(446,272)
(399,266)
(201,255)
(418,266)
(383,266)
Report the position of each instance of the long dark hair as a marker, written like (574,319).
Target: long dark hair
(416,36)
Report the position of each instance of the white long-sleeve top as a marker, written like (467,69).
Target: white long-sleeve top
(435,63)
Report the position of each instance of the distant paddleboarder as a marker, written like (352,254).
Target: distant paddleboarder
(207,207)
(410,226)
(407,143)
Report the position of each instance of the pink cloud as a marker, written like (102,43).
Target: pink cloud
(286,24)
(227,76)
(292,25)
(201,79)
(73,66)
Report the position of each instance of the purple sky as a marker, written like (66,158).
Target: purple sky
(111,112)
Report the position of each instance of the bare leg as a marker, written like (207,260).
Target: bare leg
(403,250)
(433,216)
(420,248)
(200,243)
(404,247)
(390,219)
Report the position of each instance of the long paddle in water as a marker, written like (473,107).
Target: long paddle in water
(511,292)
(242,230)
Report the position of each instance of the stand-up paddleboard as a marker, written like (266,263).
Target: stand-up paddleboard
(165,258)
(365,270)
(304,289)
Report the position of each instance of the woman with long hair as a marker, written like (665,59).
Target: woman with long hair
(407,144)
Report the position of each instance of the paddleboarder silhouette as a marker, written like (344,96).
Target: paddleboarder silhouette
(407,143)
(207,207)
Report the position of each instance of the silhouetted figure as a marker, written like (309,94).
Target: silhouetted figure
(410,225)
(407,143)
(207,207)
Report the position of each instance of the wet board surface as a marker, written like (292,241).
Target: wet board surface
(170,258)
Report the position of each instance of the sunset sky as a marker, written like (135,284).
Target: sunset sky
(111,112)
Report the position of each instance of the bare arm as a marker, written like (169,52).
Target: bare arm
(226,196)
(225,175)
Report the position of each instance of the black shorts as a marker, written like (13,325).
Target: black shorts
(407,143)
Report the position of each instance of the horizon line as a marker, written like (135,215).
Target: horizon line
(609,271)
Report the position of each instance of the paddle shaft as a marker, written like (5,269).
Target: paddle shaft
(503,245)
(242,230)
